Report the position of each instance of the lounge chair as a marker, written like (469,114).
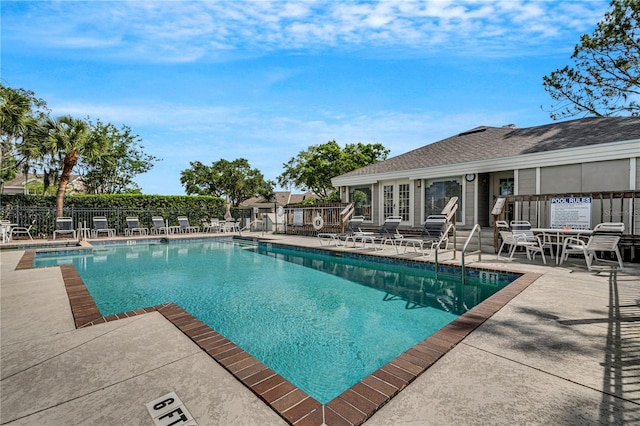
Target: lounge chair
(133,226)
(64,225)
(605,238)
(352,228)
(184,226)
(515,240)
(23,230)
(388,233)
(101,226)
(159,226)
(435,233)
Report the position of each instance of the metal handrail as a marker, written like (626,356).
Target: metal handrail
(476,227)
(450,227)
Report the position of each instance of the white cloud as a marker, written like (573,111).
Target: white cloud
(165,30)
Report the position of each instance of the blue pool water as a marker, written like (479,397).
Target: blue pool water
(321,321)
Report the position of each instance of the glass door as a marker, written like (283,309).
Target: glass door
(396,200)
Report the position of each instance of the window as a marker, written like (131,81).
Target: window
(506,186)
(438,192)
(403,201)
(361,199)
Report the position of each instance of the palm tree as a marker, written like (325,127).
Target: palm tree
(20,116)
(68,139)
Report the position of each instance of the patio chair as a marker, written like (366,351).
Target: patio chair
(435,233)
(184,226)
(5,230)
(160,226)
(212,225)
(133,226)
(523,227)
(388,233)
(352,228)
(101,226)
(515,240)
(23,230)
(64,225)
(604,239)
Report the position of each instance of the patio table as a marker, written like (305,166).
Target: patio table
(553,237)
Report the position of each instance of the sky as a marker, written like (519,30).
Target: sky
(265,80)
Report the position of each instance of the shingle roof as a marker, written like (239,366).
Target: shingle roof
(485,143)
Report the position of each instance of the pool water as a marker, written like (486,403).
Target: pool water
(320,321)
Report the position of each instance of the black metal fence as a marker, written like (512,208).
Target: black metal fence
(45,217)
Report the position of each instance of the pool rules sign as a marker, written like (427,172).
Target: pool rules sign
(570,212)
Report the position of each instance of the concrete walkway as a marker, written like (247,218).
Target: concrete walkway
(566,351)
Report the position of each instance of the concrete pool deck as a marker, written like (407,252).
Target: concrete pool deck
(564,351)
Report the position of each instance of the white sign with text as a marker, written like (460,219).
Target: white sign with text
(570,212)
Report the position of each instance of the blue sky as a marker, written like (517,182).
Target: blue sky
(264,80)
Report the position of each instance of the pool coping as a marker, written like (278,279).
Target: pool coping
(354,406)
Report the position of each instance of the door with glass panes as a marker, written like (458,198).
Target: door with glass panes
(396,199)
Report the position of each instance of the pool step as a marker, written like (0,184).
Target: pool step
(246,244)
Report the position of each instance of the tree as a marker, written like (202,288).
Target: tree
(21,117)
(606,78)
(313,169)
(113,171)
(235,180)
(66,141)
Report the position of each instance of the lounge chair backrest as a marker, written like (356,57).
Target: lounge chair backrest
(605,237)
(158,221)
(354,224)
(501,224)
(64,224)
(609,228)
(183,221)
(450,208)
(434,226)
(100,222)
(522,227)
(390,225)
(133,223)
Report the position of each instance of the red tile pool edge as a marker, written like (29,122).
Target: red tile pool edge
(353,407)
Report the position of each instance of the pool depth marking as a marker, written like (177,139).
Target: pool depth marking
(356,404)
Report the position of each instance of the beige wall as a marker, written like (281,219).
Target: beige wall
(527,181)
(606,176)
(561,179)
(601,176)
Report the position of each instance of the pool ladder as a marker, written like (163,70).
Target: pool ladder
(466,245)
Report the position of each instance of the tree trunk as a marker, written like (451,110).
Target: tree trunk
(70,161)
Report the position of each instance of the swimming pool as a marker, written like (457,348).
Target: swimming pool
(321,321)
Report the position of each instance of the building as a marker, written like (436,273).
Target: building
(19,184)
(583,156)
(265,211)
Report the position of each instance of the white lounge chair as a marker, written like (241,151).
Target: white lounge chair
(388,233)
(133,226)
(352,228)
(184,226)
(604,239)
(64,225)
(101,226)
(435,233)
(23,230)
(159,226)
